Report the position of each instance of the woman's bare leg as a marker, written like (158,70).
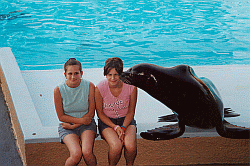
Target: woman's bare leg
(130,145)
(88,138)
(115,145)
(73,144)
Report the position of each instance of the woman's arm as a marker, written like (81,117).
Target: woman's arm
(91,113)
(131,108)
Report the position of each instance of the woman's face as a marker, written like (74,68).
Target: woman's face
(113,77)
(73,76)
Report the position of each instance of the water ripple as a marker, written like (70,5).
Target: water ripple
(162,32)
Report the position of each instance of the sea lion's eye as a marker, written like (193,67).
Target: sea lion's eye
(140,74)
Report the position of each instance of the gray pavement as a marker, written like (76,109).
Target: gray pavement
(9,155)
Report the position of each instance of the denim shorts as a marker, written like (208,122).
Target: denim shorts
(78,131)
(118,121)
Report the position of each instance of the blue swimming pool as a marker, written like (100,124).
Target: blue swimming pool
(44,34)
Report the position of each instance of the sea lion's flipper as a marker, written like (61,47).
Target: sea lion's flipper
(168,118)
(164,132)
(228,112)
(229,130)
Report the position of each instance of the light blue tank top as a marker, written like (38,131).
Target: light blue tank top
(75,100)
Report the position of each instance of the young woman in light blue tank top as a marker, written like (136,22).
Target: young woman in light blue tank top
(75,108)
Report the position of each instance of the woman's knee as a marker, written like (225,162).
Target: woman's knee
(131,147)
(87,153)
(76,155)
(111,137)
(116,147)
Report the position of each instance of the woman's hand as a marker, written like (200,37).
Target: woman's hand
(70,126)
(87,120)
(121,133)
(67,126)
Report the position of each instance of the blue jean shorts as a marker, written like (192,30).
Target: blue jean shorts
(118,121)
(78,131)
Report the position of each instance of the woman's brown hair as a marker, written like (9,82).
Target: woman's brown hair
(113,63)
(72,61)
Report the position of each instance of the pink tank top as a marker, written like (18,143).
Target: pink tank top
(115,107)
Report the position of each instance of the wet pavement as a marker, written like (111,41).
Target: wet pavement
(9,155)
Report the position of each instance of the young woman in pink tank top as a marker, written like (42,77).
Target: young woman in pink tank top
(115,106)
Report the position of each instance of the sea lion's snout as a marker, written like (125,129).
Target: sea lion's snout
(126,76)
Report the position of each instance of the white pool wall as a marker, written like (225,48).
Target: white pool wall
(28,118)
(32,96)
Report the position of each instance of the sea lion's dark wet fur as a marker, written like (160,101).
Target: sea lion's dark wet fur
(195,101)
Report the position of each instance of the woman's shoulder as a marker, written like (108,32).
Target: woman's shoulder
(86,84)
(102,86)
(102,83)
(60,88)
(128,88)
(60,85)
(56,90)
(85,81)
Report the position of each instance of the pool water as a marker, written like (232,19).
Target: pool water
(44,34)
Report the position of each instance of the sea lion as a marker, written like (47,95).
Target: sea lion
(195,101)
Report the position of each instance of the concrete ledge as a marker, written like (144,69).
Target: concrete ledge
(8,98)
